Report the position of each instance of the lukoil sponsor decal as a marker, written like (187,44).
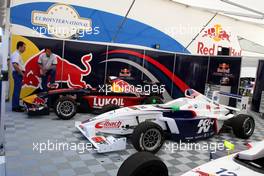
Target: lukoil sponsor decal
(100,102)
(108,124)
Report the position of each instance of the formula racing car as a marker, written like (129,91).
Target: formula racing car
(248,162)
(192,117)
(66,102)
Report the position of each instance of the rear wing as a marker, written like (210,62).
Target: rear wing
(244,100)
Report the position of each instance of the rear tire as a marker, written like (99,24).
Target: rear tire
(243,126)
(65,108)
(148,136)
(143,164)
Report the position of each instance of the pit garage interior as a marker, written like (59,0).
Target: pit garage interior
(190,43)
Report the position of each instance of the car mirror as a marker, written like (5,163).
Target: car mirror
(187,93)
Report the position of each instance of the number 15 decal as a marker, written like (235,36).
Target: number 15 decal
(224,172)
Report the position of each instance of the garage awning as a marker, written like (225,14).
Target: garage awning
(247,45)
(244,10)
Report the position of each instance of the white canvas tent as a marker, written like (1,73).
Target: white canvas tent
(249,11)
(245,10)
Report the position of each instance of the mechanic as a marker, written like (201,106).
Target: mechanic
(18,70)
(47,62)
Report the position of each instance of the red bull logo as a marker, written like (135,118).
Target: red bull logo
(223,68)
(39,101)
(121,86)
(66,72)
(217,33)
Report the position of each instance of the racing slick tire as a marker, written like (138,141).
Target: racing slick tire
(65,108)
(143,164)
(106,108)
(148,136)
(243,126)
(153,100)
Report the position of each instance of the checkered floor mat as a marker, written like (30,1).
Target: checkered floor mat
(22,159)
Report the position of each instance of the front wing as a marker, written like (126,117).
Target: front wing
(103,144)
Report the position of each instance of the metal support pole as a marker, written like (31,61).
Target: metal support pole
(4,80)
(211,19)
(123,22)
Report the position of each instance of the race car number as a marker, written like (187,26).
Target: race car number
(222,172)
(225,172)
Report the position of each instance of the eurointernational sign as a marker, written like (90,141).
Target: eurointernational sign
(84,23)
(61,21)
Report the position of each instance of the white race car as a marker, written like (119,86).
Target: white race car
(246,163)
(190,118)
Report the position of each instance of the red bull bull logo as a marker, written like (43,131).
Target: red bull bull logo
(66,72)
(39,101)
(223,68)
(217,33)
(219,38)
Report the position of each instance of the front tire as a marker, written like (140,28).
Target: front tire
(243,126)
(148,136)
(143,164)
(65,108)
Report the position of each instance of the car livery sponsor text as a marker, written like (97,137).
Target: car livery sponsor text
(108,124)
(100,102)
(204,125)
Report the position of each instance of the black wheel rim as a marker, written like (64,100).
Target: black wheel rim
(66,108)
(151,139)
(248,127)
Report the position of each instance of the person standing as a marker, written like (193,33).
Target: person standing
(18,70)
(47,62)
